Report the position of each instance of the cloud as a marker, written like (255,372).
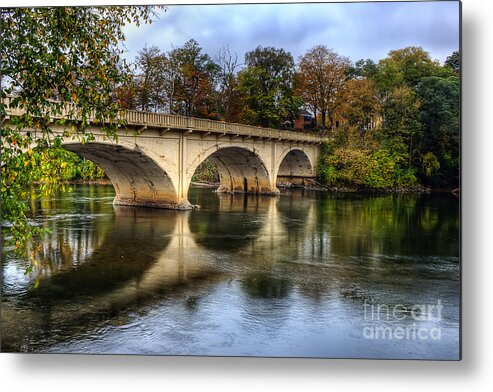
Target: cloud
(356,30)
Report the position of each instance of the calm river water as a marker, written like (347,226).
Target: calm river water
(305,274)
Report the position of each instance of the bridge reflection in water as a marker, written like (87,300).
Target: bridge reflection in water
(243,273)
(108,263)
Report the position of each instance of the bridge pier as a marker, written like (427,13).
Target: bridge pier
(250,185)
(139,181)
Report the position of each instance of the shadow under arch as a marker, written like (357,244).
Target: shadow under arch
(294,167)
(294,209)
(231,222)
(137,178)
(241,170)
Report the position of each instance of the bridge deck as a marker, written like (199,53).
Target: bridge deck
(166,122)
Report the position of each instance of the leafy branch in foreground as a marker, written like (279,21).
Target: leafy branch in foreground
(53,60)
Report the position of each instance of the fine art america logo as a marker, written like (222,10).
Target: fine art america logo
(402,322)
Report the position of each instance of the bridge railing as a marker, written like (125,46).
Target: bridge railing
(157,120)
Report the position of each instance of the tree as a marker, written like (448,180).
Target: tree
(360,105)
(171,77)
(440,116)
(453,62)
(127,95)
(150,83)
(228,100)
(415,102)
(414,63)
(195,80)
(321,78)
(403,68)
(267,88)
(362,69)
(71,54)
(402,126)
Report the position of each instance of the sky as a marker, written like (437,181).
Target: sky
(355,30)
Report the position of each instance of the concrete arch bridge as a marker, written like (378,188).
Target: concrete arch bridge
(153,159)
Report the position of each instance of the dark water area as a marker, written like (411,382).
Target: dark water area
(305,274)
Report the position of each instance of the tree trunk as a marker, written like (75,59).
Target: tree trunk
(331,119)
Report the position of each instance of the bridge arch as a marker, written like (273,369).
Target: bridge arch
(136,176)
(294,165)
(241,169)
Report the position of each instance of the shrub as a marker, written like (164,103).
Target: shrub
(370,169)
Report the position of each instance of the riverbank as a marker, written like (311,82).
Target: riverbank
(312,186)
(90,182)
(316,186)
(355,189)
(201,184)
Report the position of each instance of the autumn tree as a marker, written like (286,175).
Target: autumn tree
(415,103)
(321,78)
(152,85)
(360,106)
(170,76)
(195,82)
(72,55)
(150,82)
(126,95)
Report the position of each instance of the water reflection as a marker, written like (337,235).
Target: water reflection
(265,286)
(244,275)
(114,261)
(228,223)
(391,224)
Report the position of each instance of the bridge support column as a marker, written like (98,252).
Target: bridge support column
(139,181)
(183,181)
(245,184)
(273,170)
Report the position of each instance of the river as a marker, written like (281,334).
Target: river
(305,274)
